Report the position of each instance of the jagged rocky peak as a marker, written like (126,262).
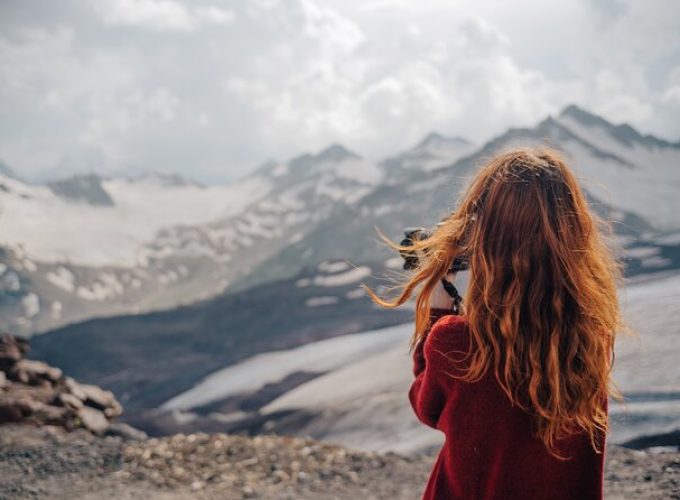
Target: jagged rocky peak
(432,152)
(85,188)
(548,124)
(623,133)
(336,152)
(583,116)
(437,140)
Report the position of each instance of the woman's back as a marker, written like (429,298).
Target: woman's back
(530,363)
(490,449)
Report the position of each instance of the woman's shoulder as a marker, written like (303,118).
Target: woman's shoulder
(448,330)
(450,321)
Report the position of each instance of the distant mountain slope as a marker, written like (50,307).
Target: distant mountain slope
(89,247)
(620,188)
(653,172)
(85,188)
(100,247)
(148,358)
(97,222)
(279,273)
(434,151)
(130,354)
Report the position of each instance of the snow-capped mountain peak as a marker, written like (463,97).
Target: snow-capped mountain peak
(161,239)
(336,152)
(436,141)
(623,133)
(432,152)
(333,154)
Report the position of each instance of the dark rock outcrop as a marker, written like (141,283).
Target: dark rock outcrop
(33,392)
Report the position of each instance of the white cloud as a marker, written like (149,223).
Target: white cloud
(215,14)
(155,14)
(212,87)
(160,14)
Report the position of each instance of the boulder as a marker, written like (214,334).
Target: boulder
(74,388)
(113,411)
(36,393)
(29,371)
(52,415)
(93,420)
(10,412)
(101,399)
(125,431)
(68,400)
(25,405)
(97,397)
(16,390)
(12,349)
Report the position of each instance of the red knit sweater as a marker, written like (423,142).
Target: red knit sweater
(489,451)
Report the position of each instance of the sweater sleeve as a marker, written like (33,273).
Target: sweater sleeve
(426,394)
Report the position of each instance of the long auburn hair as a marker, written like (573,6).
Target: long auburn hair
(541,304)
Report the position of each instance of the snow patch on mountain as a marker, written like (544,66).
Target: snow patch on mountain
(259,370)
(63,278)
(333,267)
(326,300)
(344,278)
(53,229)
(653,172)
(31,304)
(433,152)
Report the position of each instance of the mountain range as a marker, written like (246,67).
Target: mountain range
(88,246)
(149,286)
(153,286)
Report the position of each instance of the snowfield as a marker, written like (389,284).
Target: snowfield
(53,229)
(262,369)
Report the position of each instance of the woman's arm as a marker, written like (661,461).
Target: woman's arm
(427,395)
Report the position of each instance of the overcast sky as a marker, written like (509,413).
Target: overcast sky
(210,89)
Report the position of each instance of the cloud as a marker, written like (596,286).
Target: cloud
(212,88)
(160,14)
(214,14)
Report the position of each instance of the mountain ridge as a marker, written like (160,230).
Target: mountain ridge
(315,206)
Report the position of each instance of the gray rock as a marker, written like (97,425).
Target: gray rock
(31,371)
(54,415)
(36,393)
(97,397)
(68,400)
(93,420)
(25,405)
(75,388)
(113,411)
(12,349)
(125,431)
(9,412)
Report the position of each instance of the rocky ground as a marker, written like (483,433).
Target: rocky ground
(59,439)
(49,462)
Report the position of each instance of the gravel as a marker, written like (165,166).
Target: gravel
(48,462)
